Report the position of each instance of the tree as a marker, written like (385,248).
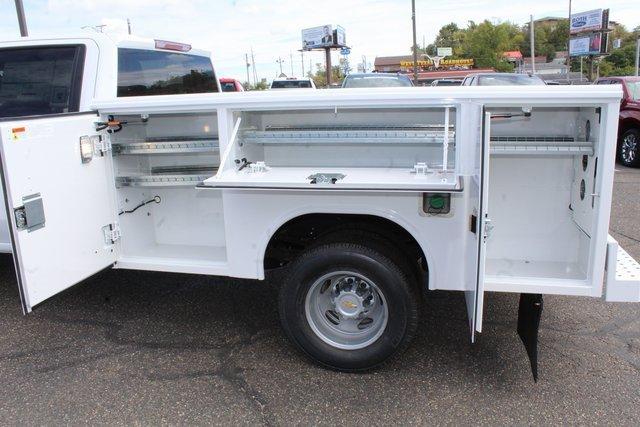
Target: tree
(320,76)
(486,43)
(261,85)
(549,38)
(621,61)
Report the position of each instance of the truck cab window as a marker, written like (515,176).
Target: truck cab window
(40,80)
(148,72)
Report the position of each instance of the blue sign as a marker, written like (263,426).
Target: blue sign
(345,51)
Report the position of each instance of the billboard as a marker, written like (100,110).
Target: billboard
(592,20)
(443,63)
(317,37)
(340,36)
(593,44)
(445,51)
(323,36)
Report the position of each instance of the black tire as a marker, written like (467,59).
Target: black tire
(383,245)
(391,280)
(629,148)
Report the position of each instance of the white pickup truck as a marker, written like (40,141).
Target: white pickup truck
(61,75)
(363,199)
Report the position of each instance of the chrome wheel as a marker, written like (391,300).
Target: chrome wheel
(629,148)
(346,310)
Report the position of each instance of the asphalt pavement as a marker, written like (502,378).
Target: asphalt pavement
(128,347)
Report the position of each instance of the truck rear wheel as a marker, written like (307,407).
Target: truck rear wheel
(348,306)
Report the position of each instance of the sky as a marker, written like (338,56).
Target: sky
(272,28)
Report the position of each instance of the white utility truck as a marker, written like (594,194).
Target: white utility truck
(362,198)
(64,74)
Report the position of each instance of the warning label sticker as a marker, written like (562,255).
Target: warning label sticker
(18,133)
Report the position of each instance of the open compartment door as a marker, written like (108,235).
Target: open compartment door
(59,201)
(360,149)
(479,227)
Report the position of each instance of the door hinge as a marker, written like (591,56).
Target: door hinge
(103,144)
(111,233)
(420,168)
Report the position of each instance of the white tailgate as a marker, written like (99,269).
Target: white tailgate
(68,203)
(623,274)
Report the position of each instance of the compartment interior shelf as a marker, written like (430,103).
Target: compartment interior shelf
(413,134)
(172,145)
(545,145)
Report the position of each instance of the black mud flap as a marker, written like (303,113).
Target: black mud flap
(529,313)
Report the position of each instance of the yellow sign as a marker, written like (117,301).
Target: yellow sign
(443,63)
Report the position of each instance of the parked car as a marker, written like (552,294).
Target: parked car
(376,80)
(446,82)
(629,123)
(502,79)
(228,84)
(292,83)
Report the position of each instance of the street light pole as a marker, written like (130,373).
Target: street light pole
(415,45)
(22,21)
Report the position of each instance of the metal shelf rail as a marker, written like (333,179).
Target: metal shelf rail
(544,145)
(412,134)
(168,176)
(172,145)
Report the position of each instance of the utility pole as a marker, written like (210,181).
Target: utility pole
(129,25)
(291,62)
(569,48)
(533,46)
(253,66)
(637,55)
(22,21)
(280,61)
(248,64)
(415,47)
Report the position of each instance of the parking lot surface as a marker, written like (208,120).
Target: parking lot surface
(145,348)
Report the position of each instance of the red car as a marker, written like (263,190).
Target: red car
(629,124)
(230,85)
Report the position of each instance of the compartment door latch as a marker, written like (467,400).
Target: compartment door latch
(30,216)
(325,178)
(111,233)
(488,228)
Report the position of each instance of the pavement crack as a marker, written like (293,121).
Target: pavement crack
(635,239)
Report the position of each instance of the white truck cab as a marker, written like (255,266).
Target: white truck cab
(365,199)
(62,75)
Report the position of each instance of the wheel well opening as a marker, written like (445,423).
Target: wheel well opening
(628,124)
(302,232)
